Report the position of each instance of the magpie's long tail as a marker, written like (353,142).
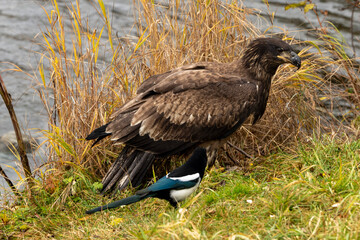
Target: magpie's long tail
(122,202)
(129,168)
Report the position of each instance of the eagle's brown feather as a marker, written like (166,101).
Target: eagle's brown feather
(196,104)
(166,113)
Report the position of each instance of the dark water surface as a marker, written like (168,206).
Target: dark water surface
(22,20)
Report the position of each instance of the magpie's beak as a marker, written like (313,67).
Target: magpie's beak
(290,57)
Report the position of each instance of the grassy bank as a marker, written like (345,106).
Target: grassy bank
(313,193)
(300,184)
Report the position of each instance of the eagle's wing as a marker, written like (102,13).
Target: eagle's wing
(153,80)
(187,105)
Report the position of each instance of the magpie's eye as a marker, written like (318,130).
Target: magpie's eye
(280,49)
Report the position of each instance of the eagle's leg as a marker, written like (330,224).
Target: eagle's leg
(211,155)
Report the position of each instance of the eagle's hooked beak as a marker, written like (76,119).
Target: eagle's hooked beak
(290,57)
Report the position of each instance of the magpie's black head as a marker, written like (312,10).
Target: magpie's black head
(196,164)
(199,160)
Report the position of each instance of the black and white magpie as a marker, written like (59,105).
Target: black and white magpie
(175,187)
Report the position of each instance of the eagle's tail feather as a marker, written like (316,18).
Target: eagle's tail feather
(130,167)
(98,134)
(147,160)
(116,170)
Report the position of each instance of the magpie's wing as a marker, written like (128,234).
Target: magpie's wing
(166,183)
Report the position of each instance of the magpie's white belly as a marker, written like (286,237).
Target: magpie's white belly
(181,195)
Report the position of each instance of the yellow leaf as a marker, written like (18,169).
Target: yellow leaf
(41,71)
(295,5)
(84,218)
(16,171)
(141,40)
(24,228)
(308,7)
(116,221)
(4,218)
(102,6)
(96,47)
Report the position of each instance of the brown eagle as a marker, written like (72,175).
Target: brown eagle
(199,104)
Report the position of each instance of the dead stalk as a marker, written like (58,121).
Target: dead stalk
(22,150)
(9,182)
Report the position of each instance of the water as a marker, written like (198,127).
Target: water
(20,24)
(338,12)
(22,21)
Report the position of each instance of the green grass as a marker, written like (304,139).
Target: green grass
(313,193)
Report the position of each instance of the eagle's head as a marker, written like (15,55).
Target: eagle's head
(263,56)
